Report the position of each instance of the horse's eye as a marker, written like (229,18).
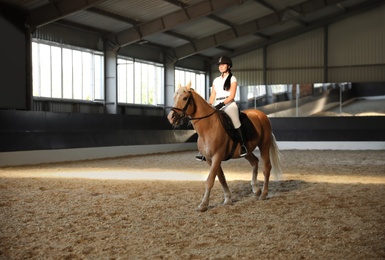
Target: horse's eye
(185,98)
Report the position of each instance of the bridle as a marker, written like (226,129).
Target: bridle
(182,115)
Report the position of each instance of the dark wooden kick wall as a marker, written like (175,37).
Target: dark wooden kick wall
(29,130)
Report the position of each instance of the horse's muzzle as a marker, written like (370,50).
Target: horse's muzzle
(174,118)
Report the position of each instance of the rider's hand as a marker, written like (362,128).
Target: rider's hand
(220,105)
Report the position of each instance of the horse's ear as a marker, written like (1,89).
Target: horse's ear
(188,85)
(179,85)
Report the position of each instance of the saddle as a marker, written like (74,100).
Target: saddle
(247,129)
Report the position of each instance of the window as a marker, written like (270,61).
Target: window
(125,81)
(197,78)
(256,91)
(140,82)
(68,73)
(278,89)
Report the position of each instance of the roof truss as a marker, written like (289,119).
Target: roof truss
(252,27)
(171,20)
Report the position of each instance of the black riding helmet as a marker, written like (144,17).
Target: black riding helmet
(225,60)
(228,61)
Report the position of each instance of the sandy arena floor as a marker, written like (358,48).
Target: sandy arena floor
(329,205)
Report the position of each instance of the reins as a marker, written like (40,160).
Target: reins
(203,117)
(183,110)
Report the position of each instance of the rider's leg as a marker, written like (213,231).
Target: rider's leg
(243,150)
(233,111)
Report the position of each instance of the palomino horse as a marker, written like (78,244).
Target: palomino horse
(216,145)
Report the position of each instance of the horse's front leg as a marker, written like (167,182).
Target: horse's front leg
(225,187)
(209,185)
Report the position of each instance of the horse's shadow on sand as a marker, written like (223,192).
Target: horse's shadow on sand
(242,189)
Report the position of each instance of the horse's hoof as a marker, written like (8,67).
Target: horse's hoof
(202,208)
(227,202)
(263,197)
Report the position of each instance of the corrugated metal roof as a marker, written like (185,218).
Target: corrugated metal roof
(200,28)
(165,40)
(212,52)
(97,21)
(140,10)
(242,41)
(280,5)
(213,18)
(280,28)
(248,11)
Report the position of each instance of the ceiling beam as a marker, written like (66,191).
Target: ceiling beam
(248,28)
(223,21)
(263,36)
(178,35)
(171,20)
(113,16)
(299,21)
(220,20)
(56,10)
(177,3)
(267,5)
(223,48)
(83,27)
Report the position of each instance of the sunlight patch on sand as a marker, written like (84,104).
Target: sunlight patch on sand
(129,175)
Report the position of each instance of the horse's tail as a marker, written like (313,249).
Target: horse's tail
(275,159)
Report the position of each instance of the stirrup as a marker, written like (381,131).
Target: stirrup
(243,151)
(200,157)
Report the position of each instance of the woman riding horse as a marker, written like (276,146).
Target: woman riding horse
(216,145)
(222,96)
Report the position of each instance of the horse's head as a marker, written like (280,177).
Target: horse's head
(183,103)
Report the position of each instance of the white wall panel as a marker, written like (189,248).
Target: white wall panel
(305,50)
(355,53)
(249,78)
(249,61)
(357,74)
(248,68)
(295,76)
(358,40)
(297,60)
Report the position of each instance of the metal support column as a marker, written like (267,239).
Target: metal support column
(110,62)
(326,50)
(169,79)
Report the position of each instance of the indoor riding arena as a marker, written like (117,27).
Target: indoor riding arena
(92,165)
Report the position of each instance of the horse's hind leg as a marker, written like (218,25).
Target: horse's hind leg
(225,187)
(265,155)
(253,160)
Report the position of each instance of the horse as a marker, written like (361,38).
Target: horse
(217,146)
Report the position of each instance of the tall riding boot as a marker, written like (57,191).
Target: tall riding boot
(200,157)
(243,150)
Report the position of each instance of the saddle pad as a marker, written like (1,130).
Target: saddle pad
(247,128)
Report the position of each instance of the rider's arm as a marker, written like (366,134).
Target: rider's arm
(233,90)
(212,96)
